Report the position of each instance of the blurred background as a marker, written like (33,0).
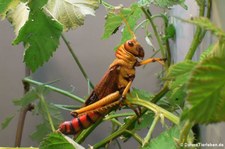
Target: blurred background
(95,56)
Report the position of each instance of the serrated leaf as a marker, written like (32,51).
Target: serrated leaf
(206,24)
(140,94)
(113,21)
(6,5)
(41,36)
(179,73)
(206,53)
(177,96)
(41,131)
(71,13)
(18,16)
(44,128)
(132,21)
(59,141)
(165,140)
(145,121)
(205,90)
(6,121)
(180,69)
(30,96)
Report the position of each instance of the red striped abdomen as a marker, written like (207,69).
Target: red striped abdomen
(77,124)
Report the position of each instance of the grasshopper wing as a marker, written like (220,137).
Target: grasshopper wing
(107,85)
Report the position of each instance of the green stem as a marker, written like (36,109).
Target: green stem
(156,109)
(130,122)
(118,115)
(148,136)
(199,34)
(63,92)
(77,61)
(185,131)
(149,17)
(47,111)
(134,135)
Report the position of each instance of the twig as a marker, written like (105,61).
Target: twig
(199,34)
(63,92)
(77,60)
(47,112)
(23,112)
(149,134)
(149,17)
(130,122)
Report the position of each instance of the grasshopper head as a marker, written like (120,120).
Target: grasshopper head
(133,47)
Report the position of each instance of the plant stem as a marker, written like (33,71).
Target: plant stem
(77,61)
(155,108)
(23,113)
(185,131)
(63,92)
(118,115)
(199,34)
(130,122)
(148,136)
(47,111)
(149,17)
(134,135)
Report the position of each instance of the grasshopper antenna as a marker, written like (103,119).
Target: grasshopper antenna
(128,26)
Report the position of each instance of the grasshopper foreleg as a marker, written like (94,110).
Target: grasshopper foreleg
(151,60)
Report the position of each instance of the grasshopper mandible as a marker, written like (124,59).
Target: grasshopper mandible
(111,89)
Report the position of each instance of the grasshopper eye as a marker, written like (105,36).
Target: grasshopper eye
(130,43)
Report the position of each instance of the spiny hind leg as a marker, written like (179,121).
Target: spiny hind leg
(100,103)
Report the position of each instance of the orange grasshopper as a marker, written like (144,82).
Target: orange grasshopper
(109,93)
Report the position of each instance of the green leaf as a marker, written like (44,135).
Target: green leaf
(44,128)
(41,37)
(206,24)
(145,121)
(59,141)
(7,5)
(205,90)
(41,131)
(165,140)
(179,75)
(6,121)
(132,21)
(71,13)
(113,21)
(139,93)
(170,32)
(176,97)
(36,5)
(180,69)
(30,96)
(206,53)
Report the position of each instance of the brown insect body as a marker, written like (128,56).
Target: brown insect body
(115,80)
